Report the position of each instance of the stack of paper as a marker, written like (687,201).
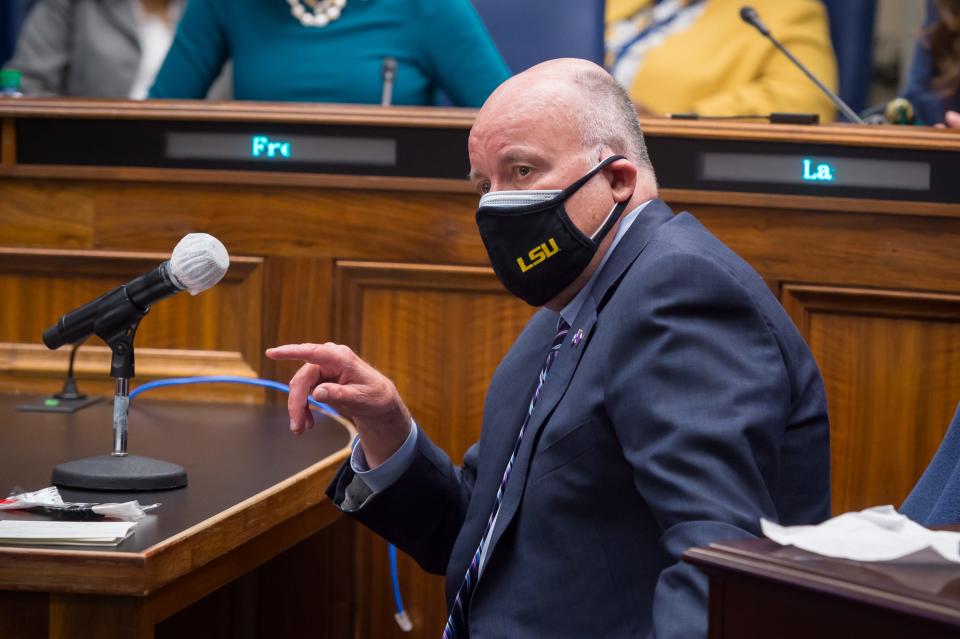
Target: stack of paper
(71,533)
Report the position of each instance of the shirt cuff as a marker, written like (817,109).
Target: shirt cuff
(381,477)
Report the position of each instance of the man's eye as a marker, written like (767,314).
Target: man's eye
(523,171)
(484,187)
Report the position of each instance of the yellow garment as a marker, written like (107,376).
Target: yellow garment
(722,66)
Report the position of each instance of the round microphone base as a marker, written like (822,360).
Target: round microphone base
(127,473)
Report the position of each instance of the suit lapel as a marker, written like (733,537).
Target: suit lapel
(558,378)
(123,15)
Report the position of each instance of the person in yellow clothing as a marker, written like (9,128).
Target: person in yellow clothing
(697,56)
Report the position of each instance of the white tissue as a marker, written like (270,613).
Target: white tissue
(198,262)
(128,510)
(875,534)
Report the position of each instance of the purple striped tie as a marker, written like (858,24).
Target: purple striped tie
(456,627)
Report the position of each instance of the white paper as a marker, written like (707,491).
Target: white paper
(875,534)
(14,531)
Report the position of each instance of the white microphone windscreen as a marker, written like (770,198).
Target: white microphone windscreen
(198,262)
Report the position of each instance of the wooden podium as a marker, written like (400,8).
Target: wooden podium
(759,589)
(365,235)
(253,505)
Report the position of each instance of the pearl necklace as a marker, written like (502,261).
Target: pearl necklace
(323,13)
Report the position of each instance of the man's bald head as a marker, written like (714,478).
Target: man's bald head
(581,93)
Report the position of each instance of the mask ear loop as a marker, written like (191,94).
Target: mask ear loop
(604,228)
(570,190)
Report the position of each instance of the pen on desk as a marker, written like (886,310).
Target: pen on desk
(79,512)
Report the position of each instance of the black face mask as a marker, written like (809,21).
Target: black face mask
(535,248)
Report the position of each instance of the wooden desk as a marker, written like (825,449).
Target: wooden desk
(255,491)
(386,258)
(759,590)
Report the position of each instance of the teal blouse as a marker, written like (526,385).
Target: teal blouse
(436,43)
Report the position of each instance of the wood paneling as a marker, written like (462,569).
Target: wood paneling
(293,222)
(24,615)
(296,308)
(438,332)
(841,249)
(33,368)
(45,215)
(891,366)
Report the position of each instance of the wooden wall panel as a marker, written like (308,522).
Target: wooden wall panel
(249,219)
(218,332)
(438,332)
(841,249)
(45,215)
(296,309)
(891,366)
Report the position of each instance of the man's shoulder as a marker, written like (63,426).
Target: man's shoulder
(684,260)
(685,240)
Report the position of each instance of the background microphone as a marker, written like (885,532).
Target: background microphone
(896,111)
(749,15)
(388,73)
(198,262)
(900,111)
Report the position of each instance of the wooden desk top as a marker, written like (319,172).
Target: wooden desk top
(246,474)
(922,585)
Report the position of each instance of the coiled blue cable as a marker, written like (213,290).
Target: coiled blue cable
(401,616)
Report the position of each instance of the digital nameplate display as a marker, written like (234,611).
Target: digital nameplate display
(279,147)
(304,148)
(814,170)
(869,172)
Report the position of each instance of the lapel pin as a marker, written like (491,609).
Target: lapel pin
(578,337)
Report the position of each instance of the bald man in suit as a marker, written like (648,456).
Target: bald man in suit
(660,399)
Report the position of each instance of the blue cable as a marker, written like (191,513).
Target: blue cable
(227,379)
(401,616)
(402,619)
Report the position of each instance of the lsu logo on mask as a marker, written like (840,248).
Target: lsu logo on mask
(538,254)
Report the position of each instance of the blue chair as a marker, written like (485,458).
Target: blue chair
(851,30)
(12,14)
(935,499)
(530,31)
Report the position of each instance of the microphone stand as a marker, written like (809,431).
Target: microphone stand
(847,112)
(749,15)
(388,74)
(119,470)
(69,399)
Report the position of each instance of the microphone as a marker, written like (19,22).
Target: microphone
(896,111)
(388,74)
(198,262)
(900,111)
(750,16)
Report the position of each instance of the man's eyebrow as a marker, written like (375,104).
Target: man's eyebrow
(508,157)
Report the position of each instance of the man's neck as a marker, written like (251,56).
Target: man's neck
(571,309)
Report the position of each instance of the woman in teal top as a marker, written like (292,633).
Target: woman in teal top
(333,51)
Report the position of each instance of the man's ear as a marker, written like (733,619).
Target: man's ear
(622,176)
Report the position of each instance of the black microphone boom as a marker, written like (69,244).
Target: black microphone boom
(137,294)
(750,16)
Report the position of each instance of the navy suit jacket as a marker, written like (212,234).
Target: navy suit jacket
(690,409)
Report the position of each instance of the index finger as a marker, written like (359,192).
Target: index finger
(328,354)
